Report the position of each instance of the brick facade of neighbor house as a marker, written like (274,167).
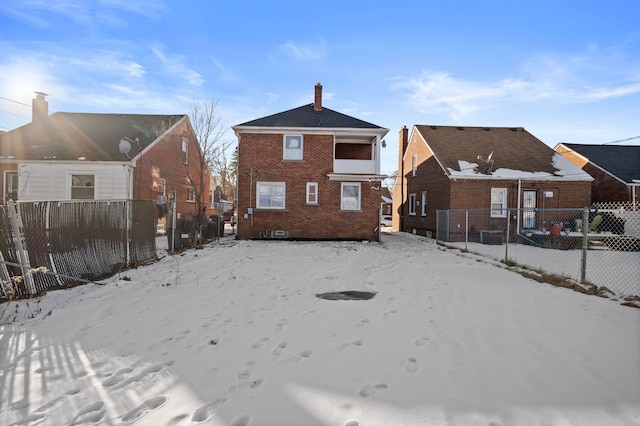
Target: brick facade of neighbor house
(449,174)
(127,156)
(615,169)
(163,160)
(261,159)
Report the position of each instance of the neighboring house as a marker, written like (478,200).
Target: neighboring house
(387,201)
(86,156)
(309,173)
(615,168)
(450,167)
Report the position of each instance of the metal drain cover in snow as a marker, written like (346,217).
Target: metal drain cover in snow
(347,295)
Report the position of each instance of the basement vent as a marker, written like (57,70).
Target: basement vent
(279,234)
(428,234)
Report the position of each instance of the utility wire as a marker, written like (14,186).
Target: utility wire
(621,140)
(16,102)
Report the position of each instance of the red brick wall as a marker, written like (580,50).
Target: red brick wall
(430,178)
(605,187)
(263,153)
(164,160)
(444,193)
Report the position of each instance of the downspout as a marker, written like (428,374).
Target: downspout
(518,204)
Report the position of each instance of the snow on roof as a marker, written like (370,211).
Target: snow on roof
(564,169)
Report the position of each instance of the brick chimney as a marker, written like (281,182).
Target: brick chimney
(39,108)
(317,101)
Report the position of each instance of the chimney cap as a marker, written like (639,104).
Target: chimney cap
(41,94)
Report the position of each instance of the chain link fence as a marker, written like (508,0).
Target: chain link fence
(57,244)
(598,245)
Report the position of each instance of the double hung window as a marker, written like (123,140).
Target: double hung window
(292,147)
(350,196)
(270,195)
(498,202)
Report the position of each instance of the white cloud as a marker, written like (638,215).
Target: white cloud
(305,51)
(175,65)
(581,78)
(90,15)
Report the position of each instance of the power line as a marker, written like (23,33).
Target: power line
(16,102)
(621,140)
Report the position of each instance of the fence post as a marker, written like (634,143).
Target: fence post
(173,222)
(21,250)
(506,246)
(466,229)
(585,243)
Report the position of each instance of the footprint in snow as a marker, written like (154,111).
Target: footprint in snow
(203,414)
(362,322)
(278,349)
(281,324)
(420,341)
(258,343)
(412,365)
(369,390)
(92,413)
(242,420)
(144,408)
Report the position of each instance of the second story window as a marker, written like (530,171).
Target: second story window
(292,147)
(414,165)
(185,156)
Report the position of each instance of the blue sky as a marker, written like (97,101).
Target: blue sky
(567,71)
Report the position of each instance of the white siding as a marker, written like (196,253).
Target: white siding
(39,181)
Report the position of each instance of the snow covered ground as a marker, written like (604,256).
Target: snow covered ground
(619,271)
(234,335)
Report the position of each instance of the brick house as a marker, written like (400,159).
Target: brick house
(309,173)
(615,169)
(450,167)
(86,156)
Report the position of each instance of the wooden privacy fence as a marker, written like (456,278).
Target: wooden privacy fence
(57,244)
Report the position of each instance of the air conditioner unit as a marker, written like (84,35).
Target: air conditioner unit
(279,234)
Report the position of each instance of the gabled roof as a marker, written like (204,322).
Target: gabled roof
(496,152)
(622,161)
(94,137)
(306,116)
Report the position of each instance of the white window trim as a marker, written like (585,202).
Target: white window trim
(284,147)
(412,204)
(70,185)
(315,192)
(359,206)
(284,195)
(414,165)
(423,207)
(502,210)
